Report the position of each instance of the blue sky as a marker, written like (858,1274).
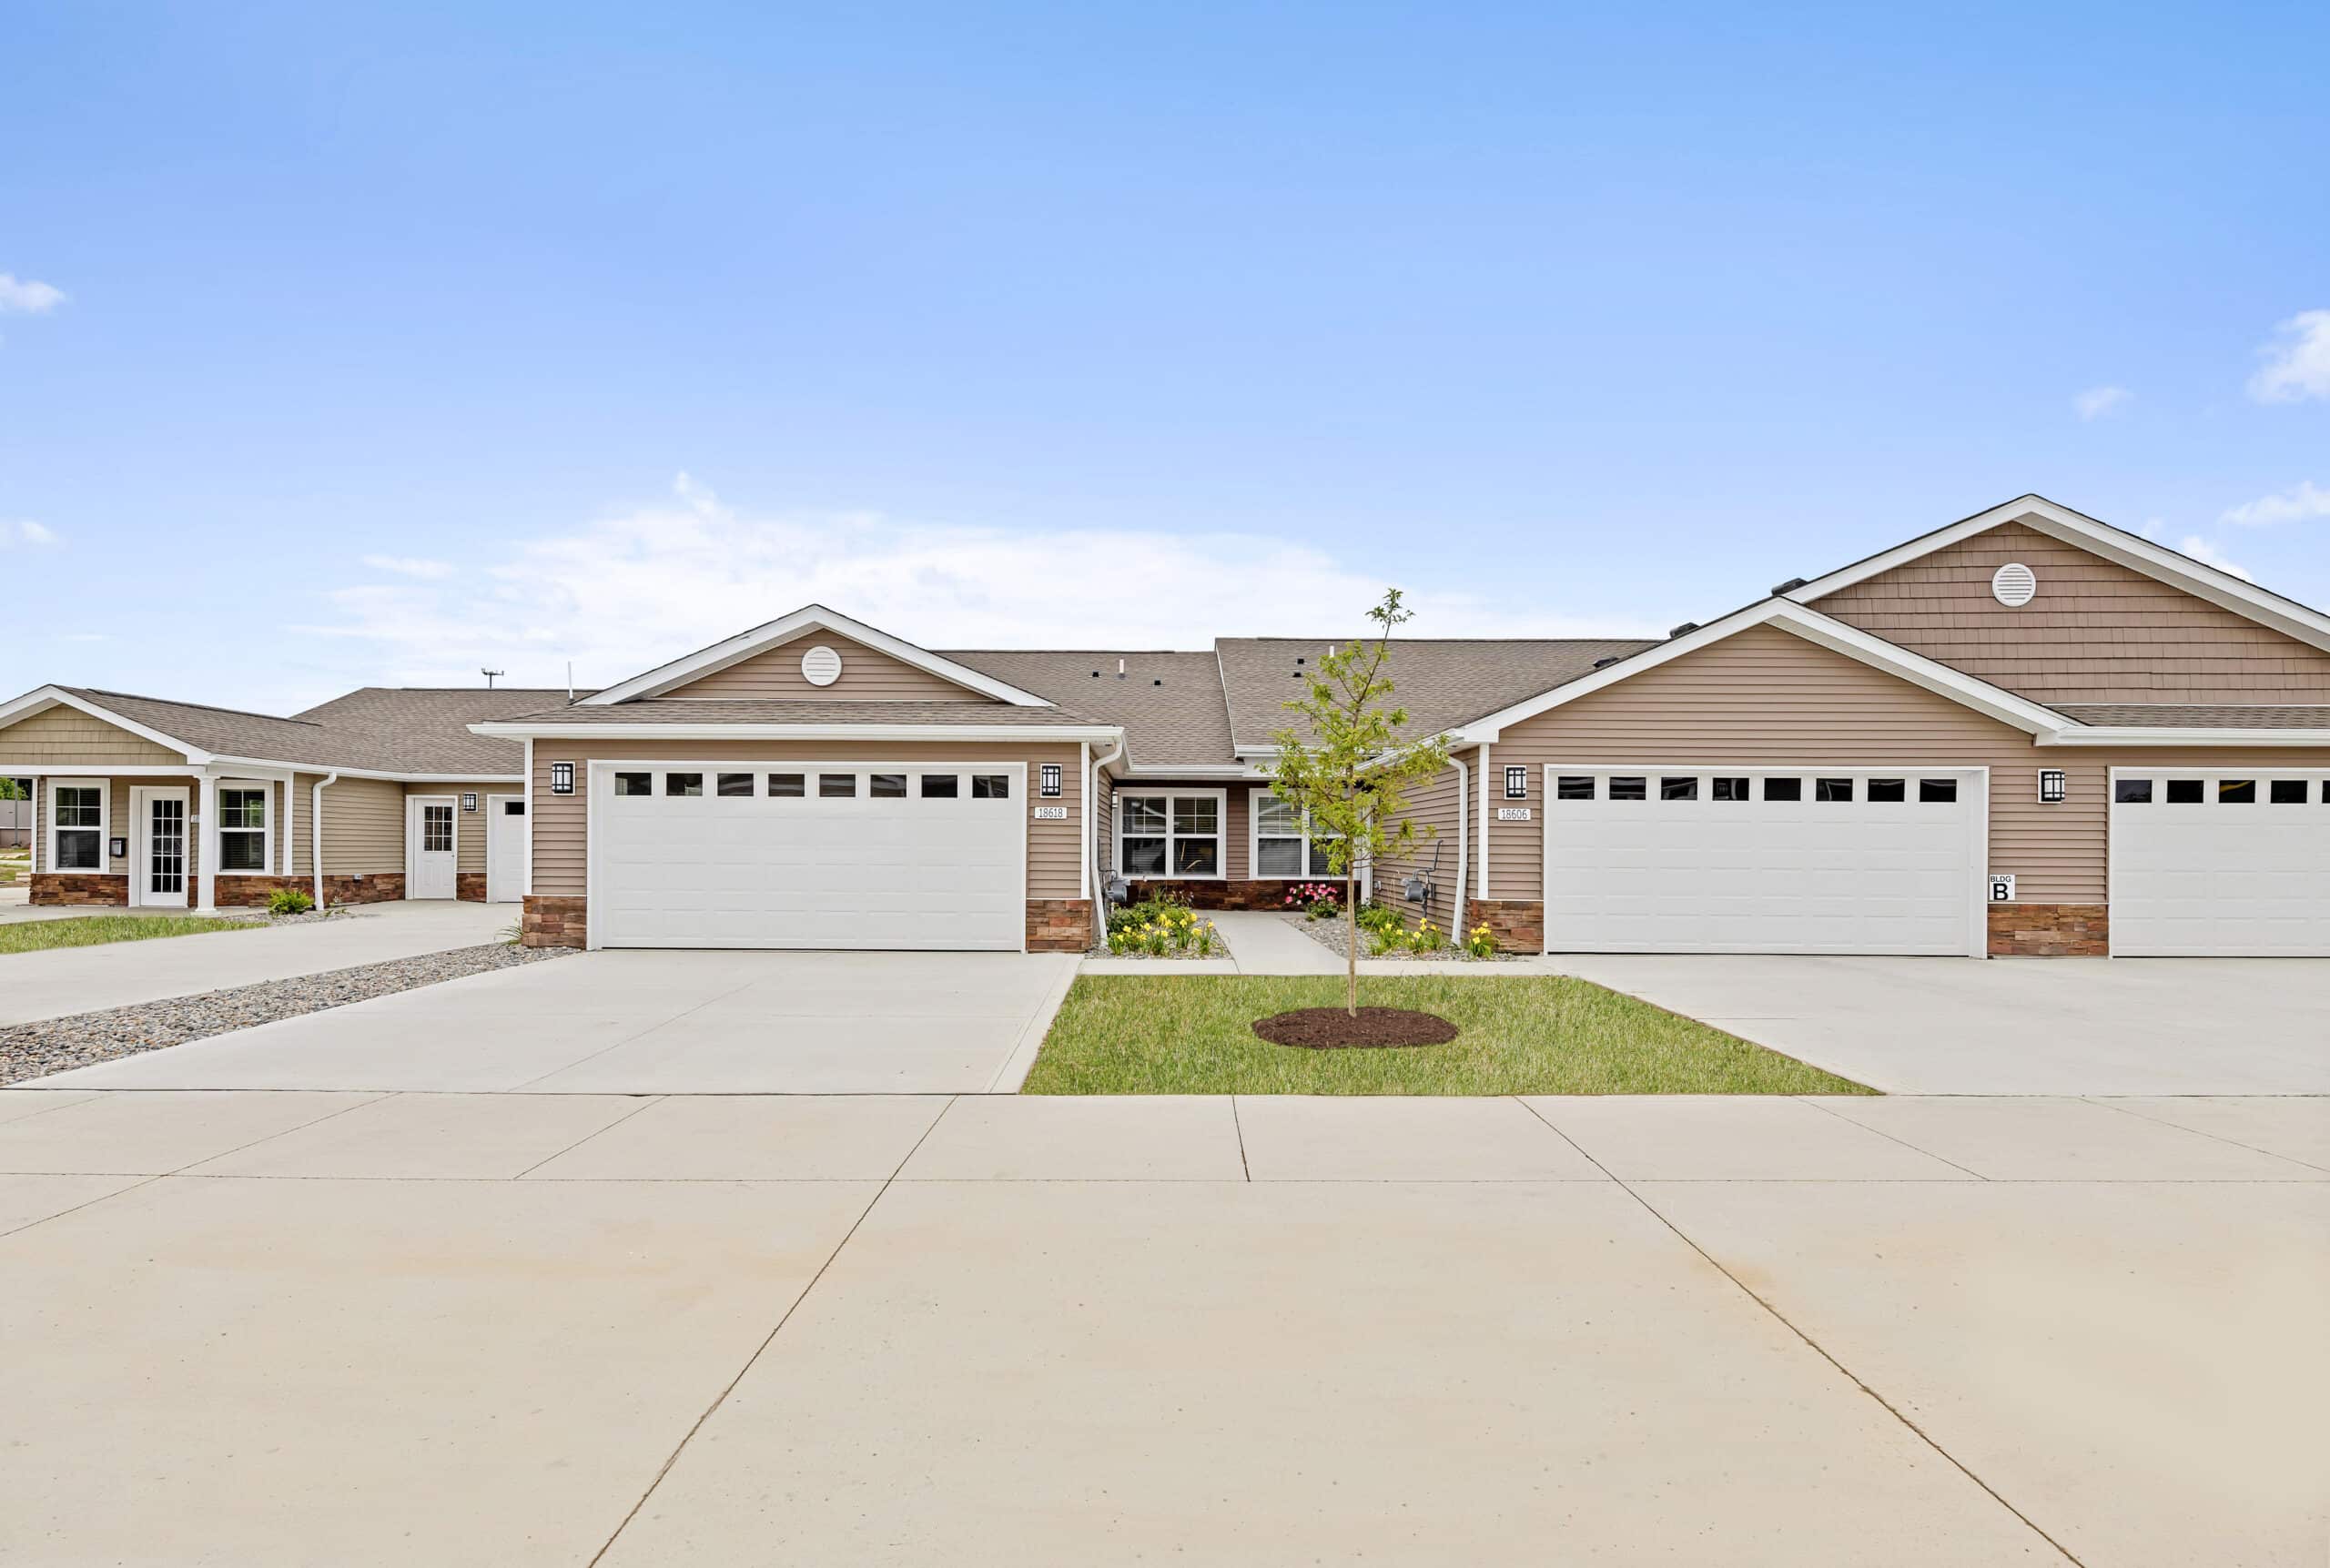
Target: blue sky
(342,344)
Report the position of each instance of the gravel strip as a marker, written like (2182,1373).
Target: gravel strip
(53,1045)
(1329,934)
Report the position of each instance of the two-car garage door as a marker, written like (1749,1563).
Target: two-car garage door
(1686,859)
(2219,863)
(808,855)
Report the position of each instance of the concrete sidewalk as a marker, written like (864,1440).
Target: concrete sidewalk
(1055,1332)
(61,981)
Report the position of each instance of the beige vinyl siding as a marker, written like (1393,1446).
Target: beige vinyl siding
(364,828)
(121,824)
(561,823)
(469,827)
(1434,803)
(1763,697)
(67,737)
(2096,632)
(867,676)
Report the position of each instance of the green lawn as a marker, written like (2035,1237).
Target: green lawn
(90,930)
(1193,1034)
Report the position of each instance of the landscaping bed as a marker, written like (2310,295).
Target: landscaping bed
(1332,935)
(54,1045)
(1161,930)
(1524,1033)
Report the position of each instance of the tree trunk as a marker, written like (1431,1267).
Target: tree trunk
(1350,940)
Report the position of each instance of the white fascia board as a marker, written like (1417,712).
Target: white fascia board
(221,764)
(744,644)
(677,732)
(48,697)
(2116,545)
(1194,771)
(1789,616)
(2155,735)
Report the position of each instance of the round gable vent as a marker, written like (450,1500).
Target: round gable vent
(821,666)
(2014,585)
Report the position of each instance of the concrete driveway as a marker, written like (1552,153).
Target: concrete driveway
(260,1329)
(652,1023)
(65,980)
(2009,1027)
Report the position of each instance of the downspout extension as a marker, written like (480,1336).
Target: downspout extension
(316,834)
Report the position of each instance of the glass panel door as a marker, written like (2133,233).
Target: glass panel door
(437,830)
(166,845)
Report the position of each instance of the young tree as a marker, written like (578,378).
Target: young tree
(1348,770)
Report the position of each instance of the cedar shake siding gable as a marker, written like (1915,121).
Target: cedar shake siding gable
(2095,632)
(867,675)
(64,736)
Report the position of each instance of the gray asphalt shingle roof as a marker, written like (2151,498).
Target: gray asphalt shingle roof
(393,730)
(784,710)
(2200,716)
(1169,702)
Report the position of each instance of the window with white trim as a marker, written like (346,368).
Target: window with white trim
(1284,844)
(76,825)
(1174,833)
(242,826)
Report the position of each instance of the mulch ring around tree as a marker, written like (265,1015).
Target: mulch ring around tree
(1332,1029)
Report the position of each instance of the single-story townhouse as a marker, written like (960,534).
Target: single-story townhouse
(2027,733)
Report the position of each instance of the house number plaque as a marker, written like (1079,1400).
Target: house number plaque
(1052,814)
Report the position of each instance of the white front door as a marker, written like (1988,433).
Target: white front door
(158,846)
(429,837)
(926,856)
(2216,862)
(506,848)
(1739,859)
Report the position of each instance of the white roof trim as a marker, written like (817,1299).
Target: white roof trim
(2205,582)
(691,732)
(809,617)
(2160,735)
(1812,626)
(47,697)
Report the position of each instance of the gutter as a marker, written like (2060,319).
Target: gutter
(2150,736)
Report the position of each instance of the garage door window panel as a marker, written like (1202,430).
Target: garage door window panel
(2185,792)
(990,786)
(1783,789)
(634,784)
(2132,792)
(837,786)
(684,784)
(787,786)
(1732,788)
(2236,792)
(2289,792)
(1937,792)
(940,786)
(735,785)
(887,786)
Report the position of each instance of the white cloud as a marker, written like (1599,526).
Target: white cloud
(29,297)
(2306,501)
(2201,551)
(2098,402)
(2298,363)
(628,592)
(25,530)
(408,566)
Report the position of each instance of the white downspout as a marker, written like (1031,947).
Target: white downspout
(1484,888)
(316,834)
(1463,788)
(1092,766)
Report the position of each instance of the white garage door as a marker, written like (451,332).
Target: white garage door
(1735,860)
(808,855)
(2219,864)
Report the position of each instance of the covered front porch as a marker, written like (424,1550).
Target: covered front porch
(162,837)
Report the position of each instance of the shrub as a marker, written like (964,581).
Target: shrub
(1480,942)
(288,901)
(1157,906)
(1425,938)
(1376,917)
(1316,899)
(1382,940)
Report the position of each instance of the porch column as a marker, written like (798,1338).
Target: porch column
(207,878)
